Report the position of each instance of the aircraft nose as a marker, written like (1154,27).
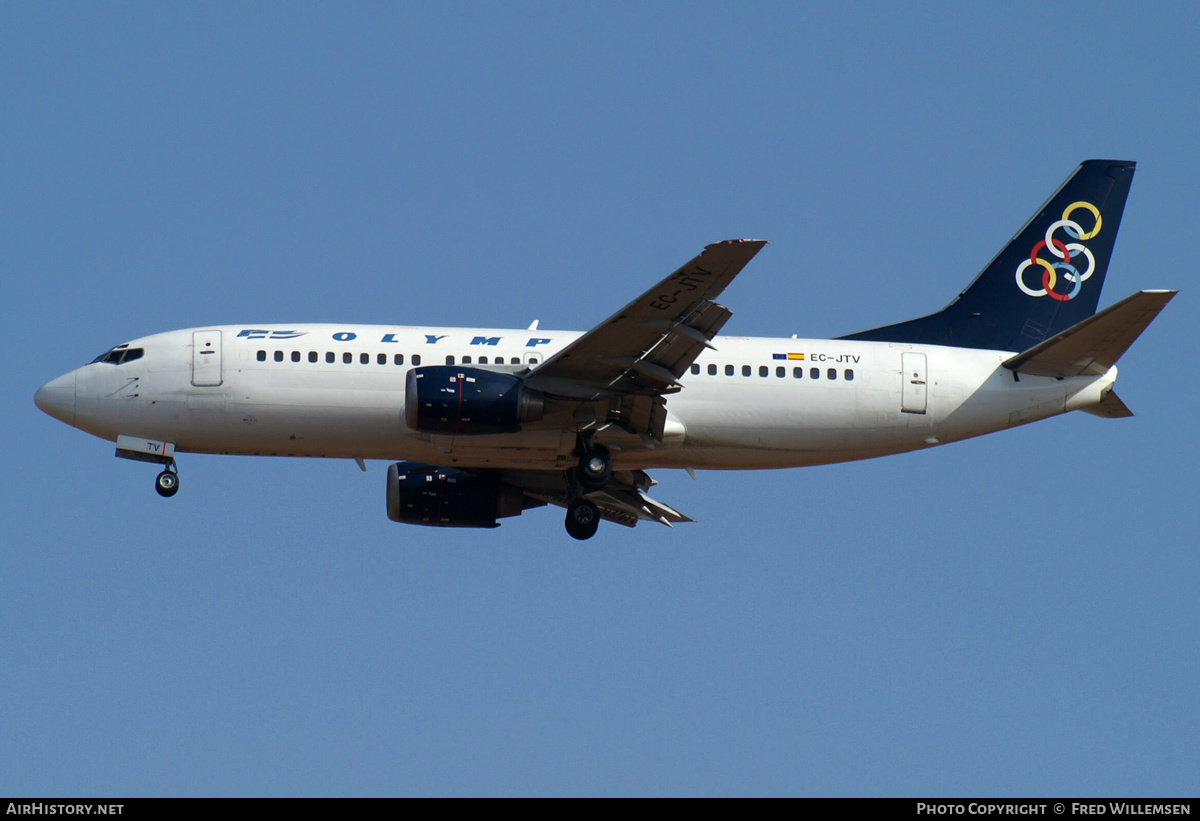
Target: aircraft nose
(57,398)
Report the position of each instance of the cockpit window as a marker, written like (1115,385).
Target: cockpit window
(120,355)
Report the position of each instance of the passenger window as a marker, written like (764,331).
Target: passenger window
(763,370)
(381,359)
(483,360)
(347,358)
(712,370)
(329,357)
(780,371)
(262,356)
(849,375)
(729,370)
(466,360)
(279,356)
(745,370)
(516,360)
(398,359)
(798,373)
(831,373)
(416,359)
(533,360)
(364,359)
(814,373)
(450,359)
(312,356)
(695,369)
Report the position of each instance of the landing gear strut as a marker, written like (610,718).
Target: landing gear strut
(167,482)
(591,473)
(583,518)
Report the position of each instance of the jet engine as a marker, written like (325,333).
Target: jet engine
(421,494)
(455,400)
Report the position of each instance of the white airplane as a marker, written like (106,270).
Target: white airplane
(488,423)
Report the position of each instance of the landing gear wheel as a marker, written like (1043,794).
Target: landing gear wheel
(167,483)
(595,468)
(583,518)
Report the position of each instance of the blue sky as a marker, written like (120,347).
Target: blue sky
(1015,615)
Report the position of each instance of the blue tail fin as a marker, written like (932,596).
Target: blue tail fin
(1046,279)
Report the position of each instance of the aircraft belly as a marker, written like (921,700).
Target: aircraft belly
(801,426)
(312,429)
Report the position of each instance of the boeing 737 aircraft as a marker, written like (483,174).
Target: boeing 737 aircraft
(483,424)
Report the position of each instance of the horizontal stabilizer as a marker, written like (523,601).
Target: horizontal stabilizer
(1110,407)
(1095,344)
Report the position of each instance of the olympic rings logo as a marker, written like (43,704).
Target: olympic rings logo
(1066,255)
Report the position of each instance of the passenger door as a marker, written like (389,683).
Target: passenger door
(206,359)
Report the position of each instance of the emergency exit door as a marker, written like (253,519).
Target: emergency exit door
(913,379)
(206,359)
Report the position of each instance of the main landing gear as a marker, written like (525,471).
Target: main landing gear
(167,482)
(583,518)
(595,467)
(593,472)
(595,462)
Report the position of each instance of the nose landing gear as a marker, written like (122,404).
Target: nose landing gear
(167,482)
(156,452)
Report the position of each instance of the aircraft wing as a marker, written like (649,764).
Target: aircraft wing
(636,356)
(647,345)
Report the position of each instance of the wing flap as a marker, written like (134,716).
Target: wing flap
(628,502)
(622,501)
(1095,344)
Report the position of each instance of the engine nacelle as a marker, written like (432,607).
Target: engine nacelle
(420,494)
(457,400)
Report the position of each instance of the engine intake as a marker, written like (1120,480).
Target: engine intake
(455,400)
(420,494)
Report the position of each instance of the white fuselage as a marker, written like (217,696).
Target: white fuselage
(338,391)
